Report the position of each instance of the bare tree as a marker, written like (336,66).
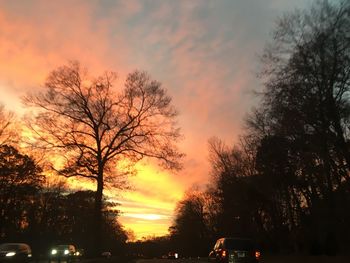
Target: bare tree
(93,126)
(305,103)
(8,133)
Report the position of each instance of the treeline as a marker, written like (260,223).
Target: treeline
(286,183)
(43,213)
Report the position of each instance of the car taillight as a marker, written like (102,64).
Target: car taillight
(224,253)
(257,254)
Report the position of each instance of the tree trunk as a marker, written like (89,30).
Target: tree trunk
(98,216)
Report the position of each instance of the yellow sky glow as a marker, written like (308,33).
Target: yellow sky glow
(148,208)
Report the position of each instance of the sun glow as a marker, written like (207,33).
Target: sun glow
(148,209)
(145,216)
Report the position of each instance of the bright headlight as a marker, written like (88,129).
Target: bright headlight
(53,252)
(10,254)
(66,251)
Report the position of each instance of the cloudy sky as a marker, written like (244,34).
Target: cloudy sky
(203,51)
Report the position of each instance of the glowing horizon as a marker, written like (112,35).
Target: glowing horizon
(146,212)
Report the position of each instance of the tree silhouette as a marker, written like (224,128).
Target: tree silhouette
(305,103)
(94,125)
(189,231)
(235,198)
(8,134)
(20,181)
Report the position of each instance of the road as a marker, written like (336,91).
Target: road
(266,259)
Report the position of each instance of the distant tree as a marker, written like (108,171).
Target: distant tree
(60,216)
(20,181)
(235,192)
(131,235)
(79,222)
(277,175)
(79,218)
(94,125)
(8,134)
(189,231)
(48,218)
(150,247)
(113,235)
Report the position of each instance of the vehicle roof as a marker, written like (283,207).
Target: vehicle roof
(14,244)
(244,238)
(64,246)
(20,246)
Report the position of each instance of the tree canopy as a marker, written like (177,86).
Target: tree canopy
(94,126)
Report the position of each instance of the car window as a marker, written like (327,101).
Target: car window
(239,244)
(61,247)
(5,247)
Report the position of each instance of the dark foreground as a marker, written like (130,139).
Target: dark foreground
(265,259)
(305,259)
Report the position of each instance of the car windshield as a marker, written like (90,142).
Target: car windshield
(239,244)
(61,247)
(6,247)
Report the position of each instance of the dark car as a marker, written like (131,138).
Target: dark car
(63,253)
(15,252)
(235,250)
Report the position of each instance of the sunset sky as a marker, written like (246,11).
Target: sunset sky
(205,52)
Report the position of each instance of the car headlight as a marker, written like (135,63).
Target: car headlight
(53,252)
(10,254)
(66,251)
